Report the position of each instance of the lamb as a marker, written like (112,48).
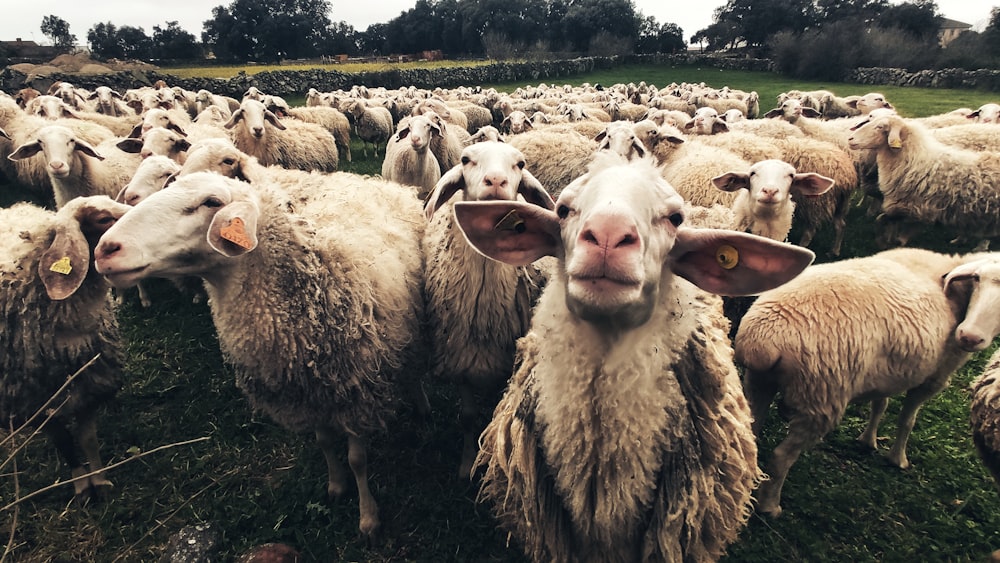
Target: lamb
(763,205)
(623,434)
(332,329)
(59,316)
(555,157)
(408,158)
(373,124)
(924,181)
(289,143)
(472,339)
(74,167)
(896,332)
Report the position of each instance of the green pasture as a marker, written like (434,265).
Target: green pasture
(256,483)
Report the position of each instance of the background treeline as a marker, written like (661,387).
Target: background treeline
(812,39)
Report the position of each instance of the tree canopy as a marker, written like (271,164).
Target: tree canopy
(57,30)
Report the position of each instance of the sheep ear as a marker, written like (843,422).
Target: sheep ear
(234,119)
(896,136)
(534,192)
(733,263)
(512,232)
(182,145)
(720,126)
(233,231)
(273,119)
(601,136)
(810,112)
(88,150)
(4,134)
(811,184)
(776,112)
(27,150)
(447,186)
(174,127)
(136,132)
(732,181)
(64,265)
(130,145)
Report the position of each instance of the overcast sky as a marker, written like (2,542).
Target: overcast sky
(25,19)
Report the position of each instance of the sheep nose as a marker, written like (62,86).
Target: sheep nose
(258,131)
(131,199)
(145,153)
(57,164)
(609,232)
(107,249)
(969,341)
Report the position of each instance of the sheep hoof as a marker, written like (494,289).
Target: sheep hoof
(774,512)
(335,490)
(369,528)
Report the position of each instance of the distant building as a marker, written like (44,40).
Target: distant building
(19,51)
(950,29)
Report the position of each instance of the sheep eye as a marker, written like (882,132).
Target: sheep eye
(676,219)
(466,160)
(520,164)
(562,211)
(211,202)
(229,161)
(106,220)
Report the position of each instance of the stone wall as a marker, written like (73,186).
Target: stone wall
(297,83)
(983,79)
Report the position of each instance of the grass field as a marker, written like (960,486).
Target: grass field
(255,483)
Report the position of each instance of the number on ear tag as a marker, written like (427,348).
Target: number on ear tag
(236,233)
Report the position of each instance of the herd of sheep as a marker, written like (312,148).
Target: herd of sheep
(567,257)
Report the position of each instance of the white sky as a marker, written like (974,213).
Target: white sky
(24,18)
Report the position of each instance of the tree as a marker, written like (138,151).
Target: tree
(585,19)
(918,19)
(268,31)
(174,43)
(110,42)
(991,35)
(57,29)
(656,38)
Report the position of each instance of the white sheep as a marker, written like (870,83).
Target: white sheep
(984,411)
(620,137)
(516,122)
(487,133)
(109,102)
(924,181)
(895,333)
(151,176)
(447,113)
(764,204)
(74,167)
(332,329)
(408,158)
(289,143)
(333,120)
(476,308)
(157,141)
(555,157)
(373,124)
(623,434)
(986,113)
(58,316)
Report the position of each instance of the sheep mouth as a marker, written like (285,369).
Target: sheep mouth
(125,278)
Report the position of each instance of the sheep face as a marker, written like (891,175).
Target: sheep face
(981,323)
(878,132)
(190,229)
(152,175)
(419,130)
(617,231)
(50,107)
(706,121)
(254,116)
(489,171)
(872,100)
(61,150)
(987,113)
(156,142)
(770,183)
(620,138)
(216,155)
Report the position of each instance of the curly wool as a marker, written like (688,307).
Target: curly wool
(320,319)
(44,341)
(661,464)
(931,182)
(985,415)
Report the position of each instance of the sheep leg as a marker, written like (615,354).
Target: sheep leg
(87,436)
(807,236)
(336,482)
(760,389)
(870,435)
(62,439)
(469,418)
(802,434)
(914,399)
(357,456)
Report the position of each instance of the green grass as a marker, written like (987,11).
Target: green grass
(256,483)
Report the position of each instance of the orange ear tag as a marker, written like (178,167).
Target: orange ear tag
(236,233)
(727,257)
(61,266)
(510,222)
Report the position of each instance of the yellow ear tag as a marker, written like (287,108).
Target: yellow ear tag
(61,266)
(727,257)
(895,144)
(511,222)
(236,233)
